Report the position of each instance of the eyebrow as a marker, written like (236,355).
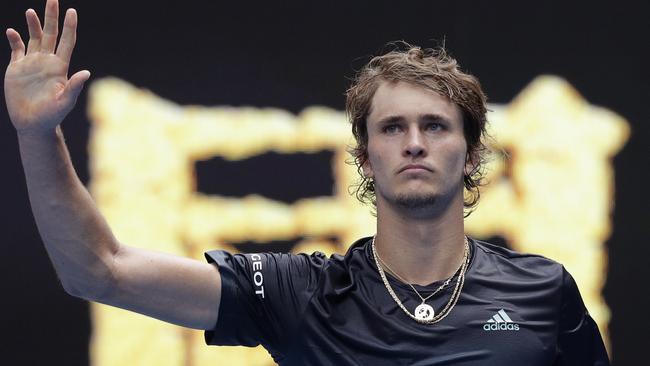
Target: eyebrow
(429,117)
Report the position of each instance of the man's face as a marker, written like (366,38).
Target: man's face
(416,146)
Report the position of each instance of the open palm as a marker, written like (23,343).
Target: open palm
(37,89)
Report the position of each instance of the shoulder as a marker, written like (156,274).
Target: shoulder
(223,257)
(510,263)
(356,255)
(296,264)
(341,273)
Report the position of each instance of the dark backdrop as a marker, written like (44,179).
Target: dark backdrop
(292,55)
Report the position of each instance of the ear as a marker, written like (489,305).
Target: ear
(471,162)
(366,167)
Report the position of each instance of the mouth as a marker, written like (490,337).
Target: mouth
(413,168)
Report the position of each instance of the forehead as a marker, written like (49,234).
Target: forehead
(402,99)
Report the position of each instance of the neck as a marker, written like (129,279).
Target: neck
(421,249)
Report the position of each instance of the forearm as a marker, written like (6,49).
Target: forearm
(77,238)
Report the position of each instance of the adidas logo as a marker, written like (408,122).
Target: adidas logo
(500,321)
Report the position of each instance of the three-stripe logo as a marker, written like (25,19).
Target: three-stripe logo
(500,321)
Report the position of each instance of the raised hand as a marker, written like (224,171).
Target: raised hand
(37,89)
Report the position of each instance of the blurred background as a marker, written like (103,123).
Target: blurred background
(292,56)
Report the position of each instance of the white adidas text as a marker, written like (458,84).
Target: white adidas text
(500,321)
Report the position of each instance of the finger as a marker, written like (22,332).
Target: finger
(74,86)
(35,31)
(16,44)
(68,36)
(51,28)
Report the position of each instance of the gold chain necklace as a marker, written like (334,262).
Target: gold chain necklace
(390,271)
(424,313)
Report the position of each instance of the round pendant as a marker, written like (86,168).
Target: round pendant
(424,312)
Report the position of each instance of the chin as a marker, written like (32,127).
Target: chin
(415,200)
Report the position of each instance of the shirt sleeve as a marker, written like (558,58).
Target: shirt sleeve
(262,296)
(579,341)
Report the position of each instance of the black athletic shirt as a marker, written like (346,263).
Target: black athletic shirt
(514,309)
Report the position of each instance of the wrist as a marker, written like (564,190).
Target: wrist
(25,135)
(38,133)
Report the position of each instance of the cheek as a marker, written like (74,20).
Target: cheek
(373,163)
(456,156)
(373,160)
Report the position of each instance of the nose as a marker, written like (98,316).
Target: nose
(414,145)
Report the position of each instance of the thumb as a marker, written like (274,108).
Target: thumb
(75,85)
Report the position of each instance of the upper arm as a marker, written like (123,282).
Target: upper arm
(175,289)
(579,340)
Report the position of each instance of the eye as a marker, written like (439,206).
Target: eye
(391,128)
(434,126)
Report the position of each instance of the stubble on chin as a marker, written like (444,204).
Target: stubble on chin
(407,201)
(415,201)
